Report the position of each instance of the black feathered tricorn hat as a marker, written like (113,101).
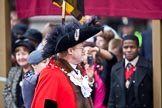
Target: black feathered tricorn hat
(73,38)
(73,34)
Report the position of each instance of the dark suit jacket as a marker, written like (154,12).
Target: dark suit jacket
(142,87)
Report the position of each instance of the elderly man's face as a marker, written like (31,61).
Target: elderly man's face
(78,52)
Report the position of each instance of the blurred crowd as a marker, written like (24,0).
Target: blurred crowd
(103,54)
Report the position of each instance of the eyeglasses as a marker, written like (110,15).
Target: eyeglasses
(82,48)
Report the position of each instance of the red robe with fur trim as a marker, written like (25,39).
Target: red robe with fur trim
(53,89)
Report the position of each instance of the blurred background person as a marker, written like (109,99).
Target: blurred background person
(14,18)
(108,28)
(45,33)
(101,71)
(18,28)
(38,62)
(16,33)
(127,27)
(115,46)
(106,60)
(146,48)
(103,39)
(12,91)
(34,36)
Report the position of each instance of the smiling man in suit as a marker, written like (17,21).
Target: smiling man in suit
(131,79)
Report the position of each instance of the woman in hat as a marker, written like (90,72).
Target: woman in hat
(60,84)
(12,91)
(38,62)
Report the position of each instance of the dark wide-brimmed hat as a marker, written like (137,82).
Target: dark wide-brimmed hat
(66,36)
(33,34)
(19,28)
(25,43)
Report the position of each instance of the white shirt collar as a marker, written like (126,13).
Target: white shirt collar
(85,88)
(133,62)
(73,66)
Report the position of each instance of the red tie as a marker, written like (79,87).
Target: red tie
(129,71)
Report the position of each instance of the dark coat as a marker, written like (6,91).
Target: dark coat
(28,88)
(146,48)
(12,90)
(142,87)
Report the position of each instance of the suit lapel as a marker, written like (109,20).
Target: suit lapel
(140,72)
(139,75)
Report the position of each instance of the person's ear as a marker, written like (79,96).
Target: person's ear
(70,50)
(34,66)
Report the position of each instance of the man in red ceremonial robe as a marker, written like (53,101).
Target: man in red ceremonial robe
(61,84)
(131,79)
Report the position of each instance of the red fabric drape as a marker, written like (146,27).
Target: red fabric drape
(149,9)
(28,8)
